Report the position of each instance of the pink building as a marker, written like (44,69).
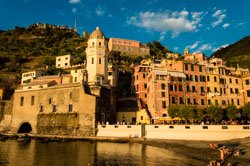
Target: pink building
(165,88)
(140,83)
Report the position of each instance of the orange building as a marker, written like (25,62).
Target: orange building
(140,83)
(246,88)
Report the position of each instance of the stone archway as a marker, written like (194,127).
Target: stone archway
(25,128)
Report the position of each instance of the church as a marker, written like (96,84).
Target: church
(61,105)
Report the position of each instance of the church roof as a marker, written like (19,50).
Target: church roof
(97,33)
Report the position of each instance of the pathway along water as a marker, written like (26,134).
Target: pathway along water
(82,153)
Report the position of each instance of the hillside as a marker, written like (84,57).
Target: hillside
(35,47)
(237,53)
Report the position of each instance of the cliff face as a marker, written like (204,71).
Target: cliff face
(237,53)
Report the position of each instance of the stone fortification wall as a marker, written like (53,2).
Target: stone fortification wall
(177,132)
(5,114)
(58,123)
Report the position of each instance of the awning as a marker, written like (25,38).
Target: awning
(177,74)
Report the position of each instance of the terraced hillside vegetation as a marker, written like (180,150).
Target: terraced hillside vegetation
(237,53)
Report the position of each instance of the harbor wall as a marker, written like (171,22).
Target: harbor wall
(176,132)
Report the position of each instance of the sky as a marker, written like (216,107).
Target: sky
(199,25)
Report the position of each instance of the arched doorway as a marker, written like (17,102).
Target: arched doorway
(25,128)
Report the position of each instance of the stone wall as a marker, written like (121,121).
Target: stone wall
(58,123)
(5,114)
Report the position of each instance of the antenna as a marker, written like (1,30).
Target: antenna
(75,26)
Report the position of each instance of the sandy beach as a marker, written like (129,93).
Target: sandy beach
(200,150)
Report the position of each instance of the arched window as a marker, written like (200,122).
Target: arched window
(100,44)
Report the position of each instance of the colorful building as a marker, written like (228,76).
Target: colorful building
(128,47)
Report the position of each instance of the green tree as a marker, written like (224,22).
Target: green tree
(157,49)
(215,113)
(246,110)
(200,114)
(187,113)
(232,112)
(173,111)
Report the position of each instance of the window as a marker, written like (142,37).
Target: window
(209,102)
(248,93)
(173,100)
(192,67)
(66,64)
(208,89)
(162,94)
(144,75)
(193,88)
(100,44)
(187,87)
(54,108)
(21,101)
(236,90)
(59,59)
(231,90)
(145,95)
(181,100)
(238,102)
(189,101)
(100,61)
(202,102)
(164,104)
(32,100)
(215,90)
(215,79)
(232,101)
(216,102)
(186,66)
(223,102)
(202,89)
(224,90)
(66,58)
(196,78)
(180,88)
(247,82)
(145,86)
(230,80)
(92,60)
(50,100)
(208,78)
(41,108)
(191,78)
(195,103)
(93,43)
(171,87)
(162,86)
(70,107)
(236,81)
(141,117)
(200,68)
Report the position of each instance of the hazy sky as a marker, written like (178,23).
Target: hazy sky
(200,25)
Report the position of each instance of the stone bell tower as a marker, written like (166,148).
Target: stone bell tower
(97,58)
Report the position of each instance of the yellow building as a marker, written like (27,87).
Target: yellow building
(142,117)
(1,93)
